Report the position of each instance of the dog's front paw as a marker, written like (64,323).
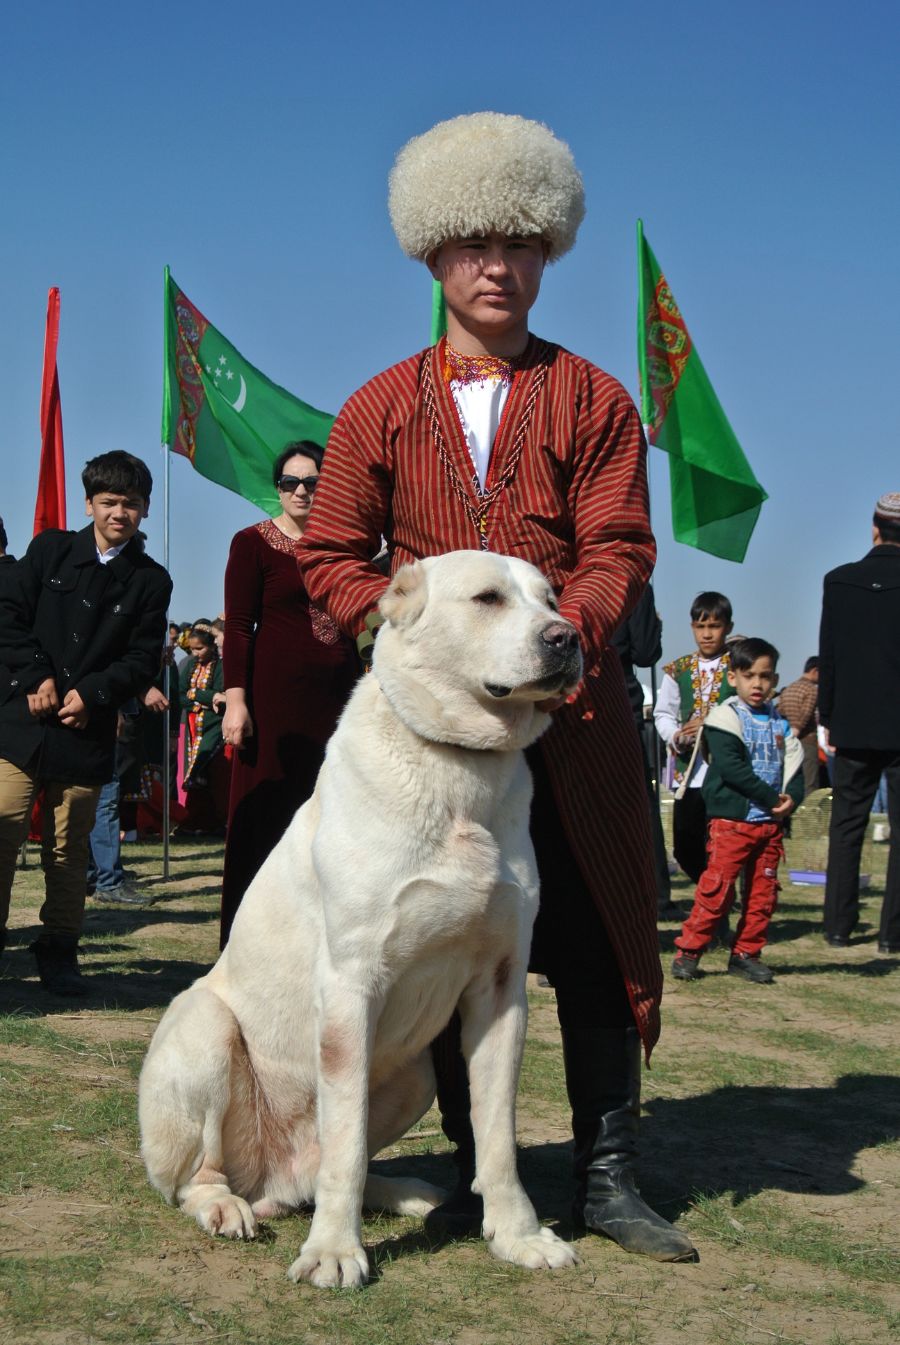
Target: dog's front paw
(226,1216)
(540,1250)
(331,1268)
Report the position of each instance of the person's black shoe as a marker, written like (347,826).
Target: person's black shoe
(603,1078)
(57,964)
(126,894)
(686,967)
(751,968)
(669,911)
(888,947)
(612,1206)
(837,940)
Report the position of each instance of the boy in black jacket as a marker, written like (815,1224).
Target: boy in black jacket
(754,782)
(81,632)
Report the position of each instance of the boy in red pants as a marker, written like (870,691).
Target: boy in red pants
(754,782)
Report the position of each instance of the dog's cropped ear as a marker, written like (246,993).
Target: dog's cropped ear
(404,601)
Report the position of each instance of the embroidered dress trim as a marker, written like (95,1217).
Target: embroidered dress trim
(195,717)
(277,540)
(325,630)
(478,508)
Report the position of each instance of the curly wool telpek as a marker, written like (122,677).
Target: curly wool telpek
(482,173)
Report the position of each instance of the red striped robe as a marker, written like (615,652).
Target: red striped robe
(567,491)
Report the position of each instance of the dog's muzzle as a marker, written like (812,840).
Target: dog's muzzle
(560,656)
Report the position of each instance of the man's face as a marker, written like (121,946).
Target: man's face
(116,517)
(755,684)
(710,633)
(490,283)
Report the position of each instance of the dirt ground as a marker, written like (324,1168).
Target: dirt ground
(780,1160)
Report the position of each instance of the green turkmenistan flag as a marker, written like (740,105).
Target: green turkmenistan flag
(716,499)
(222,413)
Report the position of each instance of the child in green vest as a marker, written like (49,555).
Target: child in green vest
(690,687)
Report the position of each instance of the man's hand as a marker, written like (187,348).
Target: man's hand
(73,712)
(44,700)
(153,699)
(784,809)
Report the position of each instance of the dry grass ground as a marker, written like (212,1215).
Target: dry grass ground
(770,1133)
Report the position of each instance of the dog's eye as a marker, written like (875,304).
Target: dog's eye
(490,597)
(552,603)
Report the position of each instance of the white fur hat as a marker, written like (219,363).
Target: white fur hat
(482,173)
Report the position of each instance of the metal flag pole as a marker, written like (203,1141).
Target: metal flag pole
(645,397)
(167,679)
(167,667)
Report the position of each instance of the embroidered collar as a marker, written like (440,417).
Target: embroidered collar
(468,369)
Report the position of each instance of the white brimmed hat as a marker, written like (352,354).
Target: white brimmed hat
(482,173)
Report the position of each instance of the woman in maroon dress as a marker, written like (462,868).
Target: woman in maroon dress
(288,673)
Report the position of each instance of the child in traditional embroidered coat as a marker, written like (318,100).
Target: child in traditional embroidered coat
(753,784)
(690,687)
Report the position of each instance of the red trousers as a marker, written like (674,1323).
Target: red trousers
(733,847)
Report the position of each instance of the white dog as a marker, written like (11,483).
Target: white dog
(404,888)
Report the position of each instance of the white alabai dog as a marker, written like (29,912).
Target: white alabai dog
(404,888)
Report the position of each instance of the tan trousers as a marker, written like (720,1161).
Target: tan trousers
(68,817)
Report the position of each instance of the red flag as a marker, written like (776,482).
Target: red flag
(50,509)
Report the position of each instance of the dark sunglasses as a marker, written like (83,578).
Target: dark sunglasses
(290,483)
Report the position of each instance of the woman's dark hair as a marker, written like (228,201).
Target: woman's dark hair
(304,446)
(714,606)
(744,653)
(203,631)
(4,540)
(117,473)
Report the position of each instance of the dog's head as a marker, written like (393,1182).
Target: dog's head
(472,642)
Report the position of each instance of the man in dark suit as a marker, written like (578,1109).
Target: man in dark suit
(859,705)
(81,632)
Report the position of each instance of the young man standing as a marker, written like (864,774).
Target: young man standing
(81,633)
(497,439)
(859,705)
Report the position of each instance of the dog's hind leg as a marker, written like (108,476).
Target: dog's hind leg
(185,1091)
(393,1108)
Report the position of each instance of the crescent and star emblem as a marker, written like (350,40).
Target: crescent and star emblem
(221,375)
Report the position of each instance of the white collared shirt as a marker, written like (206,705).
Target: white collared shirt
(105,557)
(480,407)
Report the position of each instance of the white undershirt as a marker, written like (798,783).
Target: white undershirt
(105,557)
(480,407)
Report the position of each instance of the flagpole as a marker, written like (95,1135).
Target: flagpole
(645,418)
(167,667)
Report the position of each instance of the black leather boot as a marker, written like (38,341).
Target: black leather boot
(603,1077)
(57,963)
(462,1213)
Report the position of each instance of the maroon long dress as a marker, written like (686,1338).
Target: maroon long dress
(297,670)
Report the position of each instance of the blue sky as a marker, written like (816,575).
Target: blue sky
(249,148)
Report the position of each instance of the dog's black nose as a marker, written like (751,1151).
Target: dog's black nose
(559,637)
